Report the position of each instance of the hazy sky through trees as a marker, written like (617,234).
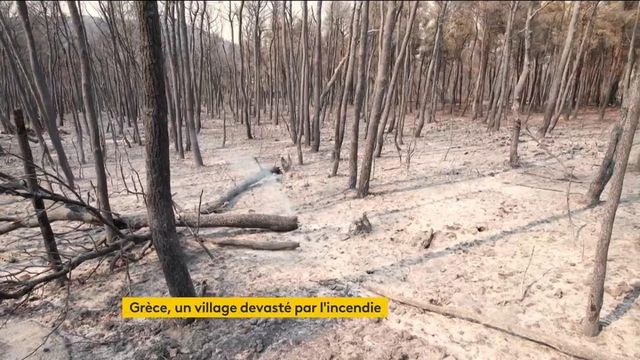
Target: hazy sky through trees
(221,27)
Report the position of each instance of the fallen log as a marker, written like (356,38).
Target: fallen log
(584,350)
(77,206)
(62,213)
(224,202)
(254,245)
(66,212)
(276,223)
(75,210)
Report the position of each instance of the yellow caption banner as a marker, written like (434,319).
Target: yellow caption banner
(254,307)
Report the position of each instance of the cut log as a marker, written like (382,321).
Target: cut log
(249,221)
(581,350)
(224,202)
(254,245)
(259,221)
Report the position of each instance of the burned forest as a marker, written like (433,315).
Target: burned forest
(445,179)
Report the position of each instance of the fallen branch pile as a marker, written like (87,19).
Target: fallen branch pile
(11,289)
(127,227)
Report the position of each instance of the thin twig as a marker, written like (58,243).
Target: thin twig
(194,234)
(450,139)
(522,288)
(199,206)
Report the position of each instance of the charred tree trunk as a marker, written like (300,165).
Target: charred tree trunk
(303,126)
(382,79)
(605,171)
(315,146)
(606,168)
(495,113)
(631,57)
(591,325)
(188,86)
(256,58)
(569,90)
(159,204)
(432,76)
(236,96)
(53,257)
(90,109)
(176,81)
(359,95)
(394,79)
(478,100)
(517,93)
(341,117)
(49,111)
(287,72)
(245,101)
(552,98)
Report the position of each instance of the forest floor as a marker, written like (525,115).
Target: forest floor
(504,247)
